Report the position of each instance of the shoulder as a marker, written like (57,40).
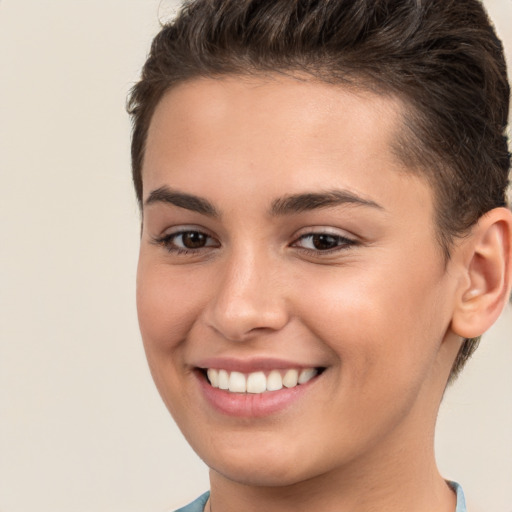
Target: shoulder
(197,505)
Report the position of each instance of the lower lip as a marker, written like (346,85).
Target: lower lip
(252,404)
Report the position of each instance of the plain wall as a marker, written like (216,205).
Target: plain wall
(81,426)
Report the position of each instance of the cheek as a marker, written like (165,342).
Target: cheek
(166,310)
(378,319)
(166,306)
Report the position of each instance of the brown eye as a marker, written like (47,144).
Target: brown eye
(187,241)
(193,240)
(323,242)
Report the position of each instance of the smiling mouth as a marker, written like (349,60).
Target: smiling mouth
(260,382)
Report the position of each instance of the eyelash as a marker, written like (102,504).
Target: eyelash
(342,243)
(168,242)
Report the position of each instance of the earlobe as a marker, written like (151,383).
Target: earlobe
(488,274)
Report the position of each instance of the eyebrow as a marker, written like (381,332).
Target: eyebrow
(298,203)
(188,201)
(286,205)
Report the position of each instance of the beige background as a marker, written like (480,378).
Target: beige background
(81,427)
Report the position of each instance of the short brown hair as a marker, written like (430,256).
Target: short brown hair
(442,58)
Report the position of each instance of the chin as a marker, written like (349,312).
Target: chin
(269,474)
(264,465)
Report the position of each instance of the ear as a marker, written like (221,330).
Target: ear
(487,269)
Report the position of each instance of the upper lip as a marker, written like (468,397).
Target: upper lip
(252,364)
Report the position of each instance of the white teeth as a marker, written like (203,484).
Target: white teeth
(258,382)
(213,377)
(237,382)
(223,379)
(274,381)
(307,374)
(291,379)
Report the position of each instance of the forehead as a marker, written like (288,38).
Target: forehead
(240,108)
(287,133)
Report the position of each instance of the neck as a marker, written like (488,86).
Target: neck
(393,490)
(400,476)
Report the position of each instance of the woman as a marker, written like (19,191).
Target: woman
(324,239)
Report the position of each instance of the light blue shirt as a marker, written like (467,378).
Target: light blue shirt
(461,502)
(198,505)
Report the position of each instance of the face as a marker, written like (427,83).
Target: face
(293,301)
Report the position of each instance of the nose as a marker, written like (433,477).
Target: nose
(247,299)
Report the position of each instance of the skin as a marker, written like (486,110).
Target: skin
(376,313)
